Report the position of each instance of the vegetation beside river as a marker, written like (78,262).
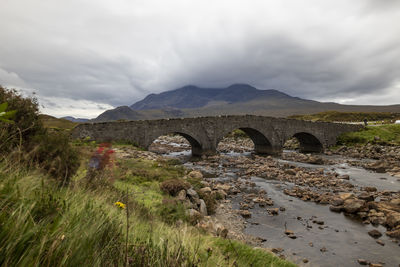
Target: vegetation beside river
(337,116)
(58,208)
(388,134)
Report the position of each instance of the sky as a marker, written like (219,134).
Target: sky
(84,57)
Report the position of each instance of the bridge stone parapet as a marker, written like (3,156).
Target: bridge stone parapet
(204,133)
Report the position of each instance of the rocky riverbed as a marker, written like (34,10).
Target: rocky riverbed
(341,208)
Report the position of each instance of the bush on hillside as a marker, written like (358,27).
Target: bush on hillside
(55,155)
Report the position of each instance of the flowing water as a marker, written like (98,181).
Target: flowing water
(341,238)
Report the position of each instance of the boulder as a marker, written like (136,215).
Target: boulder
(345,196)
(205,190)
(225,187)
(370,189)
(194,214)
(393,219)
(336,208)
(366,196)
(315,160)
(395,201)
(337,201)
(362,262)
(375,233)
(195,174)
(353,205)
(273,211)
(181,195)
(203,208)
(394,233)
(245,213)
(379,166)
(221,194)
(192,193)
(290,172)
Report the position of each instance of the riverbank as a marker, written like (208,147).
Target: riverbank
(119,216)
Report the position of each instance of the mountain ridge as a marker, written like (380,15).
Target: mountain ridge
(236,99)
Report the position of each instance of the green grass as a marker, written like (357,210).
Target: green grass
(387,134)
(44,224)
(330,116)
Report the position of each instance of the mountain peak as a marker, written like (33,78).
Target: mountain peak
(191,96)
(242,86)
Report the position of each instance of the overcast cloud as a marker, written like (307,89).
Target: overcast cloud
(82,57)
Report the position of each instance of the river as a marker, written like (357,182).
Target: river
(323,238)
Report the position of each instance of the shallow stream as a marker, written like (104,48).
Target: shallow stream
(339,241)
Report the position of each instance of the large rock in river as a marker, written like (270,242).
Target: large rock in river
(393,219)
(353,205)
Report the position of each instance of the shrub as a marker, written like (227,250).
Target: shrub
(26,119)
(53,153)
(173,186)
(31,142)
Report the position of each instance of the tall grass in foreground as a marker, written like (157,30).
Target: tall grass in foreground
(42,224)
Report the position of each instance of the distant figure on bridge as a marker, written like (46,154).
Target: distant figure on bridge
(365,122)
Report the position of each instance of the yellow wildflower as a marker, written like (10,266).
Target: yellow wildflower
(120,205)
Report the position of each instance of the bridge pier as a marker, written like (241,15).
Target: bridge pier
(310,148)
(268,149)
(198,151)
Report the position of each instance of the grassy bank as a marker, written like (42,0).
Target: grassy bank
(330,116)
(80,225)
(383,134)
(55,123)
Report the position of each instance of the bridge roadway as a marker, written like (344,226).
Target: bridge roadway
(204,133)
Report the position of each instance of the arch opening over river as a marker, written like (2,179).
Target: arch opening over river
(308,142)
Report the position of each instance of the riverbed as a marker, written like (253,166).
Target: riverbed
(319,237)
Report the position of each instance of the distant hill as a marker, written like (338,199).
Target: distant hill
(70,118)
(55,123)
(237,99)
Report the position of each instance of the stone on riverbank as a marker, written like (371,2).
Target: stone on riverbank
(353,205)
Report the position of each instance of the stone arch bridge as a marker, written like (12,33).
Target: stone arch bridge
(204,133)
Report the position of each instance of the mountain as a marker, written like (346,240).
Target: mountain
(70,118)
(237,99)
(194,97)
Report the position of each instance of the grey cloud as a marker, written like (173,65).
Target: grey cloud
(115,53)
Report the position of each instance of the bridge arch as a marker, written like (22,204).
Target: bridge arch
(308,142)
(197,148)
(262,145)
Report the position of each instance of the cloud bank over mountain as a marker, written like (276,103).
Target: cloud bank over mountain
(112,53)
